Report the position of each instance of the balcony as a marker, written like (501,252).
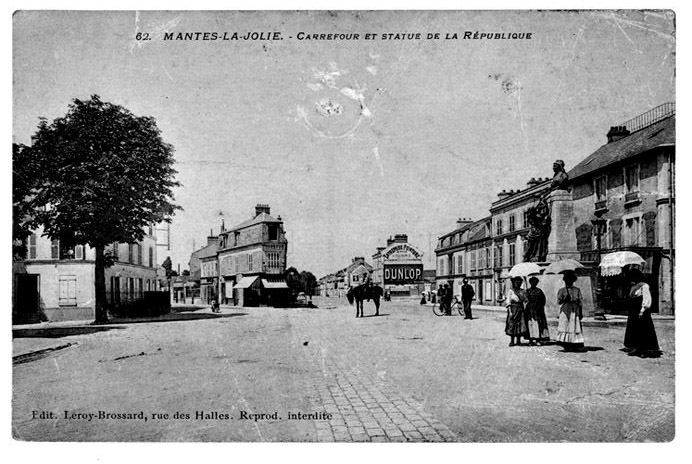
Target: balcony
(632,199)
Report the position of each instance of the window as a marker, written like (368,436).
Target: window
(601,188)
(355,277)
(632,178)
(151,257)
(460,264)
(151,230)
(273,232)
(139,254)
(116,256)
(512,257)
(79,252)
(249,262)
(498,227)
(511,223)
(488,262)
(473,260)
(55,249)
(525,224)
(140,282)
(67,290)
(131,287)
(632,232)
(130,253)
(32,246)
(498,255)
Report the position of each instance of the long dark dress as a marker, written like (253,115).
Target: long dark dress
(640,333)
(515,325)
(535,314)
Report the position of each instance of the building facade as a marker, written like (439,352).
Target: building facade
(252,261)
(65,276)
(624,196)
(398,267)
(466,253)
(203,267)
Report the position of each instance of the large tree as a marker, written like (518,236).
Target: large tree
(102,176)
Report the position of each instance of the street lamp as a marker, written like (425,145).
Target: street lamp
(599,227)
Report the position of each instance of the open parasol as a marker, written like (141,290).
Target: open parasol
(525,269)
(613,263)
(558,267)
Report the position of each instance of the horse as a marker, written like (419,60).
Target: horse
(365,292)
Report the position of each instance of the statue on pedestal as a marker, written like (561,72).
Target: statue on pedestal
(538,217)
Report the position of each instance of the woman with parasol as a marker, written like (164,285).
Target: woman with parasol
(569,328)
(515,326)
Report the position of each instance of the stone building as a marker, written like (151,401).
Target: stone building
(623,194)
(252,261)
(466,252)
(64,277)
(398,267)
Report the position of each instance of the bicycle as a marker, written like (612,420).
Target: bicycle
(438,309)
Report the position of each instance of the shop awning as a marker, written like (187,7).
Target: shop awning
(245,282)
(273,285)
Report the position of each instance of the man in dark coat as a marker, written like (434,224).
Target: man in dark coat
(467,294)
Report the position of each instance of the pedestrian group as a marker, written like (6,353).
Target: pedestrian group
(526,316)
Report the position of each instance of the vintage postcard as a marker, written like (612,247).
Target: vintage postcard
(344,226)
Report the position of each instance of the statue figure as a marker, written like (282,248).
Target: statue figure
(560,178)
(538,217)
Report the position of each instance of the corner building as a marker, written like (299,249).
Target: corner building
(252,261)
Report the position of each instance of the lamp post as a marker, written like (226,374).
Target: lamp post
(599,226)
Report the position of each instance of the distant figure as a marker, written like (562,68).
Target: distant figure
(515,326)
(467,295)
(640,334)
(569,328)
(215,308)
(422,298)
(535,314)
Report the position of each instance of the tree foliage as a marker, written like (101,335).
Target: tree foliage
(103,175)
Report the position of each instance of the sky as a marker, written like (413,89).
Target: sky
(350,141)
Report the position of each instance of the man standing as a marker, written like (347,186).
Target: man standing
(467,294)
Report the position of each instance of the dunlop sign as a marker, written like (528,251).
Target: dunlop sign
(403,274)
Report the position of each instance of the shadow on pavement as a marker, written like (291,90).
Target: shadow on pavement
(172,317)
(58,332)
(376,315)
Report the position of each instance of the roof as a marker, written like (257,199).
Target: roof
(260,218)
(207,251)
(656,135)
(353,266)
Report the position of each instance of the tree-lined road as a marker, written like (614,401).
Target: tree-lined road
(404,376)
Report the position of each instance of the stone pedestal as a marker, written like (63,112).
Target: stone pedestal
(562,242)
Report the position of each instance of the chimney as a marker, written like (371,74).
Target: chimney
(212,239)
(359,260)
(261,208)
(390,240)
(503,194)
(461,222)
(400,238)
(533,182)
(616,133)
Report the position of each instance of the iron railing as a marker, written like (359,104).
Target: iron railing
(650,117)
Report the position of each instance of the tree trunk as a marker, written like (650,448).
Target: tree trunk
(100,287)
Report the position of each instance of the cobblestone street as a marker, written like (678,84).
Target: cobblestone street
(404,376)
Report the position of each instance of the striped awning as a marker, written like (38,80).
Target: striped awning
(274,285)
(246,282)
